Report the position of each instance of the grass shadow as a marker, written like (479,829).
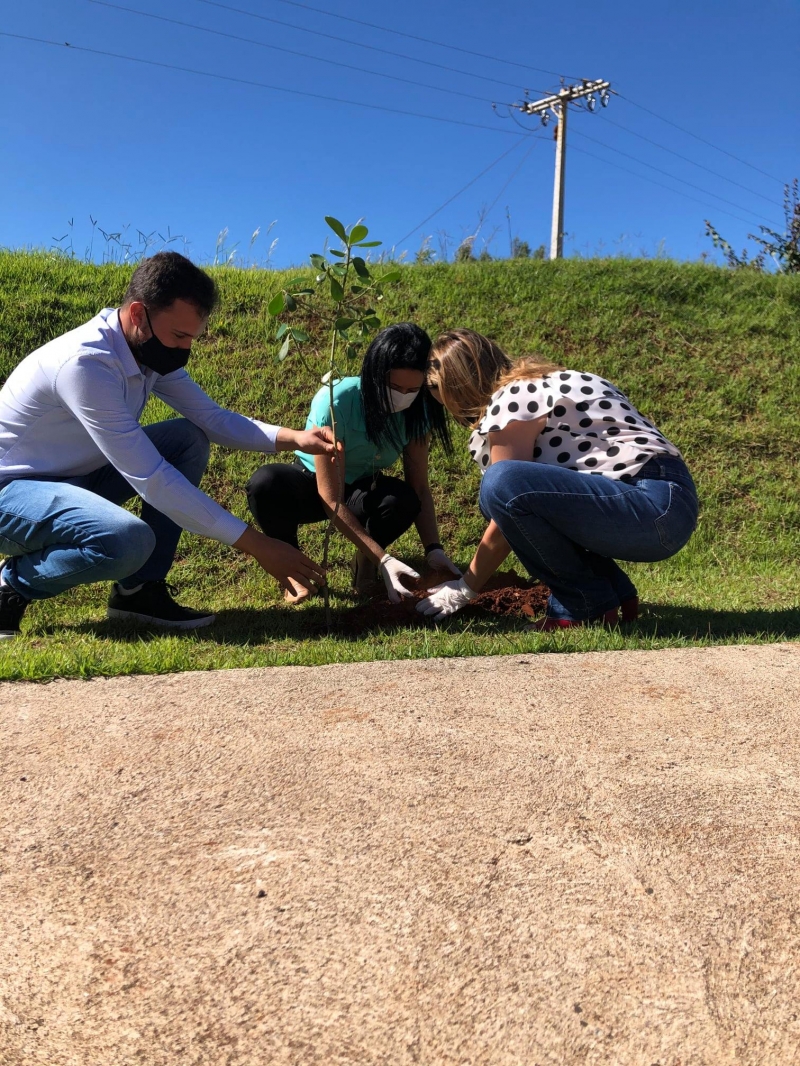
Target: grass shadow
(683,620)
(238,625)
(245,626)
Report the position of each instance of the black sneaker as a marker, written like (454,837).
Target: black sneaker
(153,604)
(12,608)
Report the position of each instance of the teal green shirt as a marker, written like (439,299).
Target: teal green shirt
(362,457)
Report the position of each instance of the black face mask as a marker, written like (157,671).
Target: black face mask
(160,357)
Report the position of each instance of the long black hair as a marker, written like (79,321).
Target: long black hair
(403,346)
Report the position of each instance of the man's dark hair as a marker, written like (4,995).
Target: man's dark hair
(169,276)
(403,346)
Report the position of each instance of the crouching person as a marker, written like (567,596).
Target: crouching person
(381,415)
(72,451)
(574,478)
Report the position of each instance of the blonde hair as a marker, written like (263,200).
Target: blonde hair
(527,366)
(467,368)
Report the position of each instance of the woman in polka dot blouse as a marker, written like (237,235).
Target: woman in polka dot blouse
(574,477)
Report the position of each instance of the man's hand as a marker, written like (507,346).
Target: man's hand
(288,565)
(437,559)
(391,570)
(315,441)
(446,599)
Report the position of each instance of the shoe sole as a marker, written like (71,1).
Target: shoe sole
(115,614)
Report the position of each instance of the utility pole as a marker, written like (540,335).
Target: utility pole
(558,104)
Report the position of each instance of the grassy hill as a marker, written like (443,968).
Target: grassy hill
(713,357)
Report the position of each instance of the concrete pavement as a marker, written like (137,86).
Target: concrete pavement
(514,860)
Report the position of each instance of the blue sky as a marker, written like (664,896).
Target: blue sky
(155,149)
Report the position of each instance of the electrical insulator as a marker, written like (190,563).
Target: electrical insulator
(604,97)
(591,102)
(545,117)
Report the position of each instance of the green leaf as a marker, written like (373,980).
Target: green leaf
(337,227)
(320,277)
(341,255)
(339,269)
(318,261)
(373,323)
(276,304)
(357,233)
(290,302)
(295,282)
(343,323)
(337,292)
(357,290)
(304,292)
(284,349)
(393,275)
(361,267)
(350,352)
(300,335)
(282,328)
(368,244)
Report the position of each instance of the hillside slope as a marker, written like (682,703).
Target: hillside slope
(713,357)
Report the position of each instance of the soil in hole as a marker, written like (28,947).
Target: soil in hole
(504,594)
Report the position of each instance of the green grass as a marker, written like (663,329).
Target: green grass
(712,356)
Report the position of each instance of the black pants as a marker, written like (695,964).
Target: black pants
(283,497)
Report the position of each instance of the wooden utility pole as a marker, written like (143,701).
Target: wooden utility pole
(558,105)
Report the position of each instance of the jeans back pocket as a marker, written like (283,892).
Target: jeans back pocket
(676,525)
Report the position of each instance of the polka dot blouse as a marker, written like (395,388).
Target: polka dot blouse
(591,426)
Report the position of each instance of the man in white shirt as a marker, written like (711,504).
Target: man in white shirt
(72,450)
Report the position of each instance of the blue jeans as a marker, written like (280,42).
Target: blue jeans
(58,533)
(567,528)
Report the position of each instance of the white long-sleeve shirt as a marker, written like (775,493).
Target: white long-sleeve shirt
(74,405)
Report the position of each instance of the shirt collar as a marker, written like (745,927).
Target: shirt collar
(119,344)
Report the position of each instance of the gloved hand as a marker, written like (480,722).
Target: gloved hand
(446,599)
(437,560)
(390,570)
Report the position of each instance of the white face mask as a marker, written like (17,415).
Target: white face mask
(401,401)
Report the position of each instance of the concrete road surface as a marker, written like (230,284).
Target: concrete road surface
(525,860)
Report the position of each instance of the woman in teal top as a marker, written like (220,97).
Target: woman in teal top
(385,413)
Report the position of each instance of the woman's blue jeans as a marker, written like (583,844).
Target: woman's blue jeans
(567,528)
(60,533)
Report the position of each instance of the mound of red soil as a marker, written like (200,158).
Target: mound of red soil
(504,594)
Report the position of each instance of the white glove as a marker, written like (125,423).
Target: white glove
(446,599)
(391,570)
(438,560)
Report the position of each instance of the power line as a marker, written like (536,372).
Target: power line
(289,51)
(358,44)
(510,178)
(643,177)
(673,177)
(697,137)
(428,40)
(455,195)
(686,159)
(257,84)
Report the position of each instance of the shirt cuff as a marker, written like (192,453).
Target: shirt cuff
(271,435)
(228,529)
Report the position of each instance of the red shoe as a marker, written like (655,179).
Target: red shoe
(629,609)
(548,625)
